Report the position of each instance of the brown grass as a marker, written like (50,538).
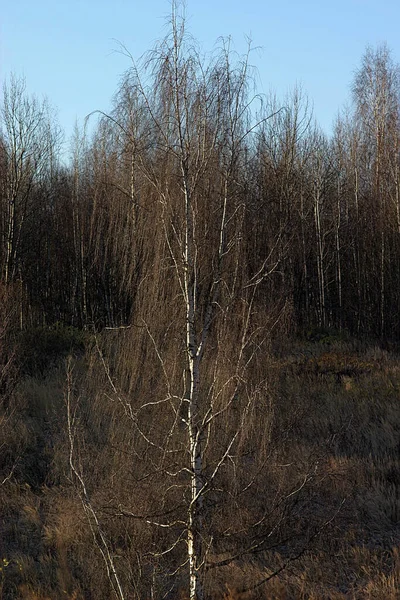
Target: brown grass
(345,426)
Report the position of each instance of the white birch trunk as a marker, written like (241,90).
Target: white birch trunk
(193,422)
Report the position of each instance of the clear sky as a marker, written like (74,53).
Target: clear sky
(66,49)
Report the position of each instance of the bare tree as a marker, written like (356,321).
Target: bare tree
(191,387)
(376,93)
(30,140)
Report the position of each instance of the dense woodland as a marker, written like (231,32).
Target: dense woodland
(320,216)
(198,334)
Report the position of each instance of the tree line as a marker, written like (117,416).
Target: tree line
(77,240)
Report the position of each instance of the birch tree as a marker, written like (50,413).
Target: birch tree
(376,93)
(189,158)
(30,140)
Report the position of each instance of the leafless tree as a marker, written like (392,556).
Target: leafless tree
(30,142)
(194,392)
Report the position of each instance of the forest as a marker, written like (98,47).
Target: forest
(199,338)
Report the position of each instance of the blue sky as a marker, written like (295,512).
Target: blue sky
(67,49)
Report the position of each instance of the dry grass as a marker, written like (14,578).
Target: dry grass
(340,414)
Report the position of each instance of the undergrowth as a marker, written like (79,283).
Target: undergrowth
(341,403)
